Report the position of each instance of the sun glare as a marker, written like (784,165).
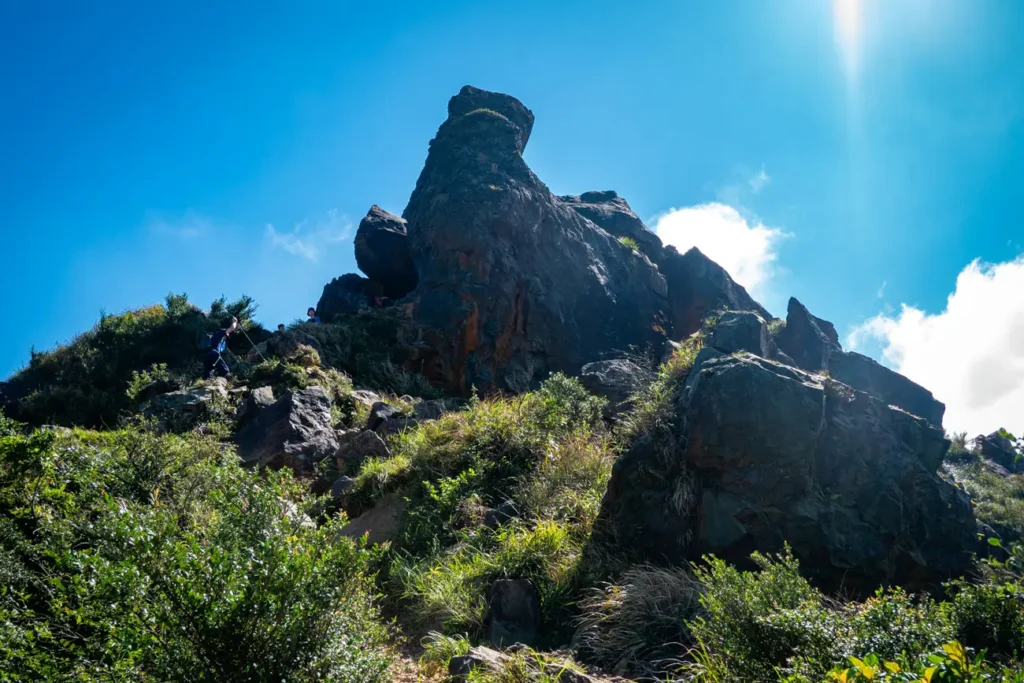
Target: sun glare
(847,17)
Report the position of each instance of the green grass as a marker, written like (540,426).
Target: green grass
(629,243)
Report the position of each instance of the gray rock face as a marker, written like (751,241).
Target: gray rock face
(611,213)
(865,374)
(513,613)
(286,345)
(355,447)
(340,488)
(741,331)
(615,380)
(761,454)
(254,403)
(345,295)
(430,410)
(187,400)
(514,283)
(382,252)
(697,286)
(380,413)
(294,432)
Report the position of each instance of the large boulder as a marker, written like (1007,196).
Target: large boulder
(287,345)
(760,454)
(513,282)
(382,252)
(347,294)
(611,213)
(740,331)
(294,432)
(697,287)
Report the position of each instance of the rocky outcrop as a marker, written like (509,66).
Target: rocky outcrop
(615,380)
(355,446)
(808,340)
(382,252)
(514,283)
(1000,450)
(865,374)
(347,294)
(697,287)
(741,331)
(611,213)
(760,454)
(294,432)
(813,344)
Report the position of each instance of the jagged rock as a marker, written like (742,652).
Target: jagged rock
(615,380)
(998,449)
(812,343)
(340,487)
(763,454)
(347,294)
(256,400)
(186,402)
(430,410)
(697,286)
(611,213)
(808,340)
(294,432)
(356,446)
(863,373)
(514,283)
(380,412)
(379,523)
(382,252)
(513,613)
(479,657)
(396,425)
(740,331)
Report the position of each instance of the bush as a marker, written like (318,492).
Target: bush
(989,615)
(132,555)
(998,500)
(83,382)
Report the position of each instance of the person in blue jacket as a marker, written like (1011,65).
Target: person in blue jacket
(313,317)
(214,364)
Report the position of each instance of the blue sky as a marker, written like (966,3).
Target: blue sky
(863,155)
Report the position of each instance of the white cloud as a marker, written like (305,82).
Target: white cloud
(307,240)
(759,180)
(971,355)
(881,290)
(745,248)
(188,227)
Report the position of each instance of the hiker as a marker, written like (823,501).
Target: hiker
(213,364)
(280,328)
(313,317)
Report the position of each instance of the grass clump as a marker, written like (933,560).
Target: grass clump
(130,555)
(629,243)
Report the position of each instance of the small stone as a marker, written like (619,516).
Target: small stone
(379,413)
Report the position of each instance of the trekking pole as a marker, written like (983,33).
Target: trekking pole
(251,342)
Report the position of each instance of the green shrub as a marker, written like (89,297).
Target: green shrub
(948,664)
(989,614)
(629,243)
(84,382)
(132,555)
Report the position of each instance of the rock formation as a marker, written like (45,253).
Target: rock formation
(759,454)
(382,252)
